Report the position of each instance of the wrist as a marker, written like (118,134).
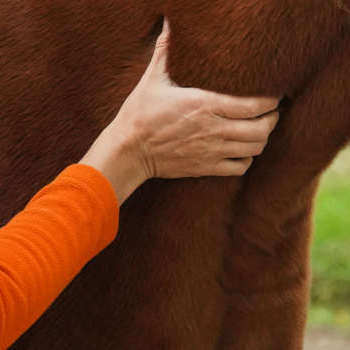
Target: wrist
(119,161)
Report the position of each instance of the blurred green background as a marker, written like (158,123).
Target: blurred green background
(330,299)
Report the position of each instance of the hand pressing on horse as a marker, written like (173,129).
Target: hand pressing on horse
(166,131)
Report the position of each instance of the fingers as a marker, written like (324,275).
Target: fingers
(237,107)
(249,130)
(233,149)
(232,167)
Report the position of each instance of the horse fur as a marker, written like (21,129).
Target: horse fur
(210,263)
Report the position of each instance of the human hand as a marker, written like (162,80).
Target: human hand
(188,132)
(163,130)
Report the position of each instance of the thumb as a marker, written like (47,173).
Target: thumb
(159,58)
(164,35)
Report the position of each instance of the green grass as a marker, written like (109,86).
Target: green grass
(331,248)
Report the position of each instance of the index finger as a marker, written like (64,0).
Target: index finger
(234,107)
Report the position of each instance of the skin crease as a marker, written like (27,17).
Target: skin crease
(179,132)
(209,263)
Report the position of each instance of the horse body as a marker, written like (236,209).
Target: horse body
(211,263)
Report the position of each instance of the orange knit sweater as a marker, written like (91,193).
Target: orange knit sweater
(45,246)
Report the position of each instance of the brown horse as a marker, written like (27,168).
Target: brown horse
(211,263)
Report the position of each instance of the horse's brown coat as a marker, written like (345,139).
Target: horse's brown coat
(213,263)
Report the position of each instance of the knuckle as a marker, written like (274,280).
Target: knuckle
(259,148)
(268,103)
(252,107)
(242,170)
(264,128)
(223,101)
(161,44)
(221,131)
(163,40)
(273,121)
(248,162)
(196,99)
(244,166)
(275,118)
(267,129)
(261,105)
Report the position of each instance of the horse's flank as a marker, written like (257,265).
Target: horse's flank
(199,264)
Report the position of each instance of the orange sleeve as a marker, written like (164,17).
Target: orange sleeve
(45,246)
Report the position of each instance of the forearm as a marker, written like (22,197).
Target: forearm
(45,246)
